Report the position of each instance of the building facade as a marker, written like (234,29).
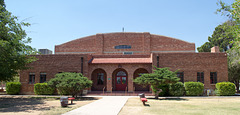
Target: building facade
(113,60)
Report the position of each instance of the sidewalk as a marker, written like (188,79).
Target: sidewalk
(108,105)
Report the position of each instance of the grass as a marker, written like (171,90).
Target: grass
(46,105)
(183,106)
(78,102)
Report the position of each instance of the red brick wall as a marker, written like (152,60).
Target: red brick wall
(52,64)
(142,43)
(191,63)
(163,43)
(86,44)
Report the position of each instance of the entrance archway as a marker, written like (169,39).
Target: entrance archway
(120,79)
(136,74)
(99,78)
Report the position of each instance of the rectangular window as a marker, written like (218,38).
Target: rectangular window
(200,77)
(123,47)
(213,77)
(124,80)
(100,78)
(43,77)
(82,65)
(31,78)
(181,76)
(118,80)
(127,53)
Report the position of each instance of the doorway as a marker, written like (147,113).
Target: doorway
(121,81)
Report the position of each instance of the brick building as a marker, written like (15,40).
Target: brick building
(113,60)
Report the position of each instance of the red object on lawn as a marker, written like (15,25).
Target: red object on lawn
(71,98)
(144,100)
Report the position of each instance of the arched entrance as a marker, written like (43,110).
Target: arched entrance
(120,80)
(99,78)
(136,74)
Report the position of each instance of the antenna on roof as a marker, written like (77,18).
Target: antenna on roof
(123,29)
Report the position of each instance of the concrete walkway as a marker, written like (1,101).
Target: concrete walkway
(108,105)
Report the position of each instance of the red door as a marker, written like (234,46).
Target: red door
(121,83)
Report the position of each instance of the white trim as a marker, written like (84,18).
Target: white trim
(73,52)
(173,51)
(124,51)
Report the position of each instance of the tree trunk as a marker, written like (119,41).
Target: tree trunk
(237,85)
(157,93)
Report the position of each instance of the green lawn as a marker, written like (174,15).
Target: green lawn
(183,106)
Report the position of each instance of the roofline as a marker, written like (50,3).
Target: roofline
(173,38)
(126,33)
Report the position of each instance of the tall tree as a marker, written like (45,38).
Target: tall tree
(158,77)
(13,49)
(221,37)
(234,67)
(233,12)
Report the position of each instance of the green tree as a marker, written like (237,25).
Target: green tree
(73,83)
(234,67)
(233,12)
(158,77)
(221,37)
(13,49)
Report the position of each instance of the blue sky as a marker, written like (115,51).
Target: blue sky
(58,21)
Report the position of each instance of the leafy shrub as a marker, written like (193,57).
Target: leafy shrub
(43,89)
(13,88)
(176,89)
(157,78)
(70,83)
(194,88)
(225,88)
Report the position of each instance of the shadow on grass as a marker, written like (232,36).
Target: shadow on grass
(76,99)
(21,104)
(25,104)
(147,105)
(170,98)
(86,98)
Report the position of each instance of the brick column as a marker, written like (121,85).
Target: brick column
(207,80)
(99,43)
(146,42)
(109,81)
(130,81)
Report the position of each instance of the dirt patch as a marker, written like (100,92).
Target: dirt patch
(38,105)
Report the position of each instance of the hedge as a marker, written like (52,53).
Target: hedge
(194,88)
(43,89)
(13,88)
(176,89)
(225,88)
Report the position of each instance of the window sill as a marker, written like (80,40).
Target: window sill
(212,84)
